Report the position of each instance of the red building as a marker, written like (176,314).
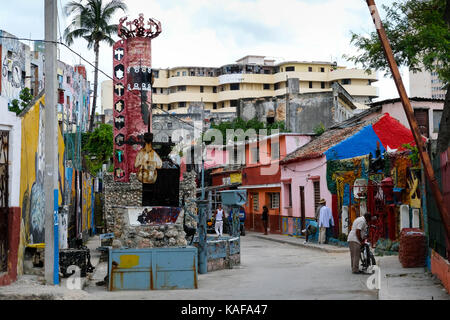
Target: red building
(261,177)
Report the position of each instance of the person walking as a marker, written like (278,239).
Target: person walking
(356,239)
(265,218)
(219,221)
(325,217)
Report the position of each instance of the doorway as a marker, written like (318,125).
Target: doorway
(4,209)
(302,208)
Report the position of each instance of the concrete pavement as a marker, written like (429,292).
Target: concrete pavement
(272,267)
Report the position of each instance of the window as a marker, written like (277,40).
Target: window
(255,202)
(155,74)
(222,88)
(161,90)
(322,85)
(310,84)
(169,107)
(291,68)
(68,80)
(214,105)
(266,86)
(289,190)
(322,69)
(184,73)
(181,104)
(274,200)
(181,88)
(254,155)
(154,90)
(233,103)
(316,194)
(234,86)
(309,69)
(347,81)
(214,89)
(169,125)
(276,86)
(275,151)
(437,115)
(178,73)
(201,89)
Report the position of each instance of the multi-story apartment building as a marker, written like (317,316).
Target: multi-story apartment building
(253,77)
(425,84)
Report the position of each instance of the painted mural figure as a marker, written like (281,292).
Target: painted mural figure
(37,199)
(147,161)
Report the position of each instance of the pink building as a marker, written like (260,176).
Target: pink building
(428,113)
(303,179)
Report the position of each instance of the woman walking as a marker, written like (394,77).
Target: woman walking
(219,221)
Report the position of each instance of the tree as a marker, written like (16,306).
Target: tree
(97,146)
(91,22)
(419,34)
(239,123)
(25,97)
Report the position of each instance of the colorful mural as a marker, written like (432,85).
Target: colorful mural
(385,184)
(32,177)
(14,55)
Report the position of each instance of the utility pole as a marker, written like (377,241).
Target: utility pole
(424,157)
(203,157)
(51,264)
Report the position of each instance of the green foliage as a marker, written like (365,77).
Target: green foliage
(418,34)
(319,129)
(25,97)
(240,123)
(97,147)
(414,155)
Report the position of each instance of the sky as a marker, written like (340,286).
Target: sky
(216,32)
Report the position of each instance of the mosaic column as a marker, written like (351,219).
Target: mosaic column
(132,88)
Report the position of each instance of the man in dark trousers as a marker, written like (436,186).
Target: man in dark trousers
(356,239)
(265,218)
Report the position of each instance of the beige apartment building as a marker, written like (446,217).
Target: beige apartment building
(425,84)
(220,88)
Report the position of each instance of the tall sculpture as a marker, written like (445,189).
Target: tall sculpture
(132,89)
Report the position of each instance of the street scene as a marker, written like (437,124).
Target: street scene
(192,151)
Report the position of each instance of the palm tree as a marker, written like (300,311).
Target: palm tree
(91,22)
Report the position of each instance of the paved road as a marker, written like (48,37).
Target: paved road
(268,270)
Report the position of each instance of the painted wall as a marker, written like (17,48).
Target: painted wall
(299,174)
(14,66)
(32,173)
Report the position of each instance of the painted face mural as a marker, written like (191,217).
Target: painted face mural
(37,199)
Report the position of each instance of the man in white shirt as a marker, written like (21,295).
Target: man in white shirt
(325,217)
(219,221)
(355,240)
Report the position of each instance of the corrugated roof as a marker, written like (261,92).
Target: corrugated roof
(326,140)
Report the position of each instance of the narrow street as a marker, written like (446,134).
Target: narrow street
(268,270)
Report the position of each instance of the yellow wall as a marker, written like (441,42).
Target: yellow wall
(32,201)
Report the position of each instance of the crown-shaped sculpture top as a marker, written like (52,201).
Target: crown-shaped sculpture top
(137,28)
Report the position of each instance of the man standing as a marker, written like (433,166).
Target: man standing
(265,218)
(325,216)
(355,240)
(219,221)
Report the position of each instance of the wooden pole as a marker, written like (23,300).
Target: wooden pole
(424,157)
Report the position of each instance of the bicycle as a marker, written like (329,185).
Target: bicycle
(367,258)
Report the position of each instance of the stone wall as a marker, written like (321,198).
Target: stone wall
(188,191)
(146,236)
(120,194)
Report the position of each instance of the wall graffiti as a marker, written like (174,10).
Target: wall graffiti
(32,174)
(13,56)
